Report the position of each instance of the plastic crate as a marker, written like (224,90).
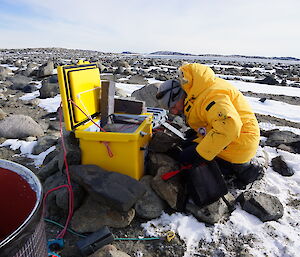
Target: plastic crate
(81,83)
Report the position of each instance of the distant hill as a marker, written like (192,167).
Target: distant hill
(128,52)
(288,58)
(168,53)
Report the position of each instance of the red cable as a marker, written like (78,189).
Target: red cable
(69,185)
(71,193)
(105,143)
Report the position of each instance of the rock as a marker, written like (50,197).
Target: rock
(43,144)
(280,166)
(51,156)
(101,67)
(111,188)
(147,94)
(162,142)
(156,160)
(286,148)
(296,146)
(62,197)
(29,70)
(150,206)
(264,206)
(121,70)
(262,99)
(120,63)
(161,77)
(53,79)
(73,152)
(2,114)
(212,213)
(171,190)
(277,137)
(29,88)
(269,80)
(4,72)
(109,251)
(46,69)
(19,81)
(19,126)
(48,89)
(19,63)
(137,79)
(57,201)
(49,169)
(92,215)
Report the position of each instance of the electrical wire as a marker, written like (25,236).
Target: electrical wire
(68,185)
(71,193)
(104,142)
(61,226)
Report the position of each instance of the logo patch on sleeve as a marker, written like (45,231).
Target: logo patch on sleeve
(210,105)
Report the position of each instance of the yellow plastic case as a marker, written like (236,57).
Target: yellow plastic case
(80,85)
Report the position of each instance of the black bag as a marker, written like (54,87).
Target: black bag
(205,183)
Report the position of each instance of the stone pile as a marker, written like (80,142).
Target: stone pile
(119,205)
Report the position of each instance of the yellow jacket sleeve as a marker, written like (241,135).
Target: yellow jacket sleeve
(226,124)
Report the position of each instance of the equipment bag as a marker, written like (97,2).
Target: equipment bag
(205,183)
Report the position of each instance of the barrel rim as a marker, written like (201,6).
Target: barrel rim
(27,174)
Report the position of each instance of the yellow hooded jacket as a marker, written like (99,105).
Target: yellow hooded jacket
(225,122)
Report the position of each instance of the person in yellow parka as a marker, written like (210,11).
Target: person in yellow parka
(225,126)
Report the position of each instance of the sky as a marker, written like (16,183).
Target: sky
(256,27)
(272,238)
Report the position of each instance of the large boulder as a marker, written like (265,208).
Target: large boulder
(92,215)
(171,191)
(44,143)
(19,81)
(19,126)
(120,63)
(31,67)
(264,206)
(49,169)
(212,213)
(46,69)
(162,142)
(286,140)
(49,88)
(73,151)
(137,79)
(147,94)
(150,206)
(157,160)
(119,191)
(57,201)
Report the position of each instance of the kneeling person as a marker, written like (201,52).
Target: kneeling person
(225,125)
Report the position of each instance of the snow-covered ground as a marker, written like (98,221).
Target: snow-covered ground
(273,238)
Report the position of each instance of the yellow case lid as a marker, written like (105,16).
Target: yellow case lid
(80,87)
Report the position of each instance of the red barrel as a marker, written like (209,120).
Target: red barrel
(22,231)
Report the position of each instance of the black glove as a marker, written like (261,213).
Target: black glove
(189,155)
(190,134)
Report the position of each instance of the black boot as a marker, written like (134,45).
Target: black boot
(249,175)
